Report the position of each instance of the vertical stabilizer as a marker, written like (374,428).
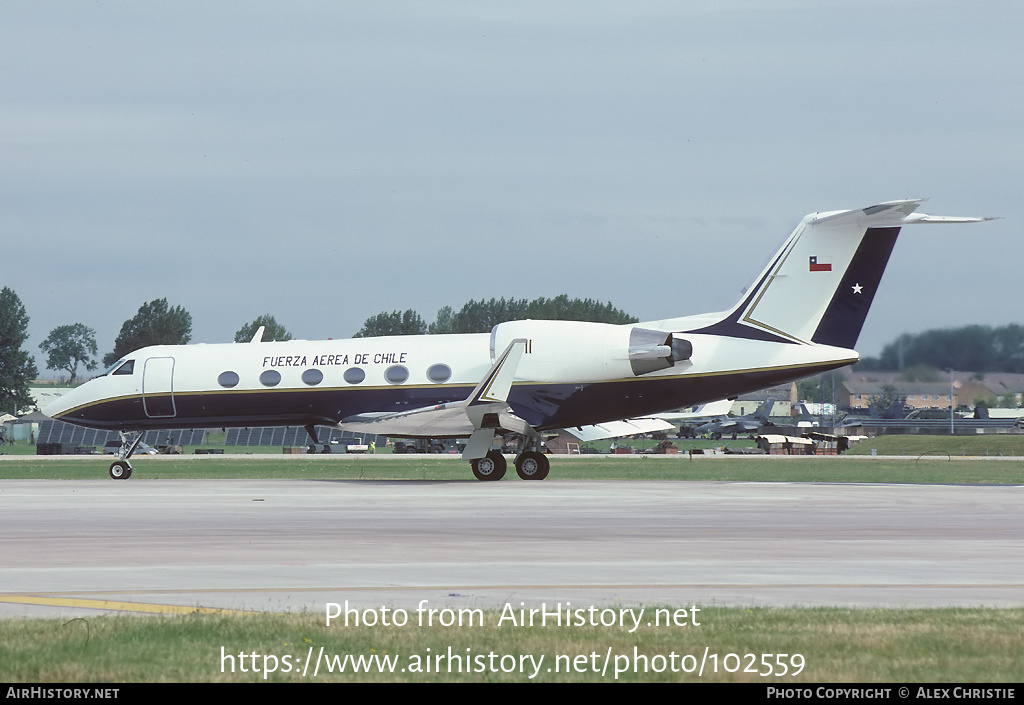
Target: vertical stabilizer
(819,286)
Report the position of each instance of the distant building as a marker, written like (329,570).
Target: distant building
(967,387)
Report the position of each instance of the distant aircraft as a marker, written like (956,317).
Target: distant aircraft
(895,411)
(801,316)
(738,424)
(806,420)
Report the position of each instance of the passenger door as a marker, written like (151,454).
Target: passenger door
(158,388)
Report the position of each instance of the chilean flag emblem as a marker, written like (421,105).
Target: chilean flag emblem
(817,266)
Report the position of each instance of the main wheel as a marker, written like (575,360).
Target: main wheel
(120,470)
(532,465)
(489,468)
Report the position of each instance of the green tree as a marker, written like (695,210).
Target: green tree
(820,388)
(394,323)
(17,368)
(975,347)
(67,346)
(445,322)
(481,316)
(156,323)
(884,399)
(274,330)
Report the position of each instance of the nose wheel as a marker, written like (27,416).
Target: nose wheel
(121,469)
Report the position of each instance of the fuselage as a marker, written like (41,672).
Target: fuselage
(800,316)
(329,381)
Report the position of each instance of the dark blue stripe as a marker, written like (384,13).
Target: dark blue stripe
(844,318)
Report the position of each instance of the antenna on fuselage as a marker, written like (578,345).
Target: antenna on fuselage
(257,337)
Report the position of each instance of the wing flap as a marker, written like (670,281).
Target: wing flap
(616,429)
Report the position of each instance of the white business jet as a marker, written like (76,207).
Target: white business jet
(800,316)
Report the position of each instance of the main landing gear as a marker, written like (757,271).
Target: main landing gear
(530,465)
(121,469)
(490,467)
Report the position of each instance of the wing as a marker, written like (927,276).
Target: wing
(478,416)
(617,429)
(484,412)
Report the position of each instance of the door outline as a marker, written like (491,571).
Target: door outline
(158,388)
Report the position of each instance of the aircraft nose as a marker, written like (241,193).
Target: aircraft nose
(62,404)
(56,407)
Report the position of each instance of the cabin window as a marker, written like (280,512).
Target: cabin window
(396,374)
(312,377)
(439,373)
(354,375)
(270,378)
(228,379)
(126,369)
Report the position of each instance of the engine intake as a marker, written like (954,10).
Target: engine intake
(570,351)
(652,350)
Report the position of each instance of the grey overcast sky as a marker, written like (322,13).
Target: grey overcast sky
(325,161)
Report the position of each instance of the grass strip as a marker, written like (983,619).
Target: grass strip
(835,645)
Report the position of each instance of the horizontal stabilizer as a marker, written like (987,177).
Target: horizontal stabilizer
(924,218)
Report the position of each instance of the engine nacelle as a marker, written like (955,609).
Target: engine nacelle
(575,351)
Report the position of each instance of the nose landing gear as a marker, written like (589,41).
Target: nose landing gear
(121,469)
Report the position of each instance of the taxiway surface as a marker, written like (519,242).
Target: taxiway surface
(74,547)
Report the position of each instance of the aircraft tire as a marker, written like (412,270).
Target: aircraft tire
(532,465)
(490,468)
(120,470)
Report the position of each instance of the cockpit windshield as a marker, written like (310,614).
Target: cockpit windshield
(121,367)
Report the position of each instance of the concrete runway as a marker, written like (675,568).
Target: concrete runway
(71,548)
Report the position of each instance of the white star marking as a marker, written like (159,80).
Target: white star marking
(857,288)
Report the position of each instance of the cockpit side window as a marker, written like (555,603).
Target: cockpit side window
(126,369)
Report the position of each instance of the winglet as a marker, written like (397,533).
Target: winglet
(490,398)
(257,337)
(497,383)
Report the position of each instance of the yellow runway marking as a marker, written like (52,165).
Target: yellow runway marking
(114,605)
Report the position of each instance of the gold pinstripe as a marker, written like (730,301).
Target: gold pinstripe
(320,390)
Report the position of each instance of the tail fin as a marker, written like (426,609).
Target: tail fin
(820,284)
(764,411)
(805,415)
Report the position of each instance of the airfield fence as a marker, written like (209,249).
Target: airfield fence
(67,434)
(939,426)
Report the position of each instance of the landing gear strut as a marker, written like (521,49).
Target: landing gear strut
(121,469)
